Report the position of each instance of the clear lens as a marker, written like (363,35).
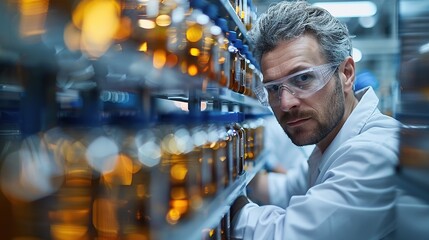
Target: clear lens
(301,84)
(261,93)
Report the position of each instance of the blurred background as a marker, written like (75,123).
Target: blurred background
(137,119)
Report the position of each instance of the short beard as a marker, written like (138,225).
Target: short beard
(334,113)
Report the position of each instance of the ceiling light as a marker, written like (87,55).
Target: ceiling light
(368,22)
(424,48)
(356,55)
(349,9)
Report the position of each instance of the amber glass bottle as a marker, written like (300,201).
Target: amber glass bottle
(198,42)
(155,31)
(179,160)
(224,58)
(235,62)
(241,72)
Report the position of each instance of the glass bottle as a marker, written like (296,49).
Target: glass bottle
(224,58)
(198,41)
(242,149)
(233,151)
(251,15)
(77,200)
(241,72)
(205,141)
(250,154)
(259,136)
(140,204)
(221,157)
(250,69)
(155,31)
(235,62)
(216,50)
(179,159)
(225,227)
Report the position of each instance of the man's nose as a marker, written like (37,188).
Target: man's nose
(287,99)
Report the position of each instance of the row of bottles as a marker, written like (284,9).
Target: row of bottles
(96,41)
(83,154)
(220,232)
(246,12)
(147,46)
(120,182)
(191,38)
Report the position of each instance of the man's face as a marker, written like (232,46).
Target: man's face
(305,120)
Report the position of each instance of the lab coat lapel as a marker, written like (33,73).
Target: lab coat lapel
(353,126)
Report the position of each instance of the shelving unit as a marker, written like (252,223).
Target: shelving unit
(223,95)
(35,101)
(212,212)
(412,105)
(413,168)
(229,13)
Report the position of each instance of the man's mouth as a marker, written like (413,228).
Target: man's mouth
(297,122)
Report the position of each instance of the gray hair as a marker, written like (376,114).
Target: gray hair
(285,21)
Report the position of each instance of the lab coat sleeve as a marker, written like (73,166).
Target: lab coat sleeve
(355,200)
(281,187)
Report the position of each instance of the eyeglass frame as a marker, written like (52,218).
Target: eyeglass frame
(324,71)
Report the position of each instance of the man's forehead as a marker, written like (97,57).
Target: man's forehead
(291,56)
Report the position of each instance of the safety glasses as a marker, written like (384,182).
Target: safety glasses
(301,84)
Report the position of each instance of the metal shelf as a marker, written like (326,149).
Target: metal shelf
(228,11)
(211,94)
(212,212)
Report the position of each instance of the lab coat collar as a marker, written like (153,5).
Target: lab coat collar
(367,105)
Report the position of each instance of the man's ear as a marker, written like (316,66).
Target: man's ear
(347,74)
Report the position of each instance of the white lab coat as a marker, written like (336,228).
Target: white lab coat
(346,193)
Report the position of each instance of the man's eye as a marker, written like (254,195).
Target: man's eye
(303,79)
(273,88)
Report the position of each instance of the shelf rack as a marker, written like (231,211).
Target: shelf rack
(229,13)
(212,212)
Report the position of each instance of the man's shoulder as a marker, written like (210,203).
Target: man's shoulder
(379,128)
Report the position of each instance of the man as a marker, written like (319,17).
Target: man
(346,189)
(280,154)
